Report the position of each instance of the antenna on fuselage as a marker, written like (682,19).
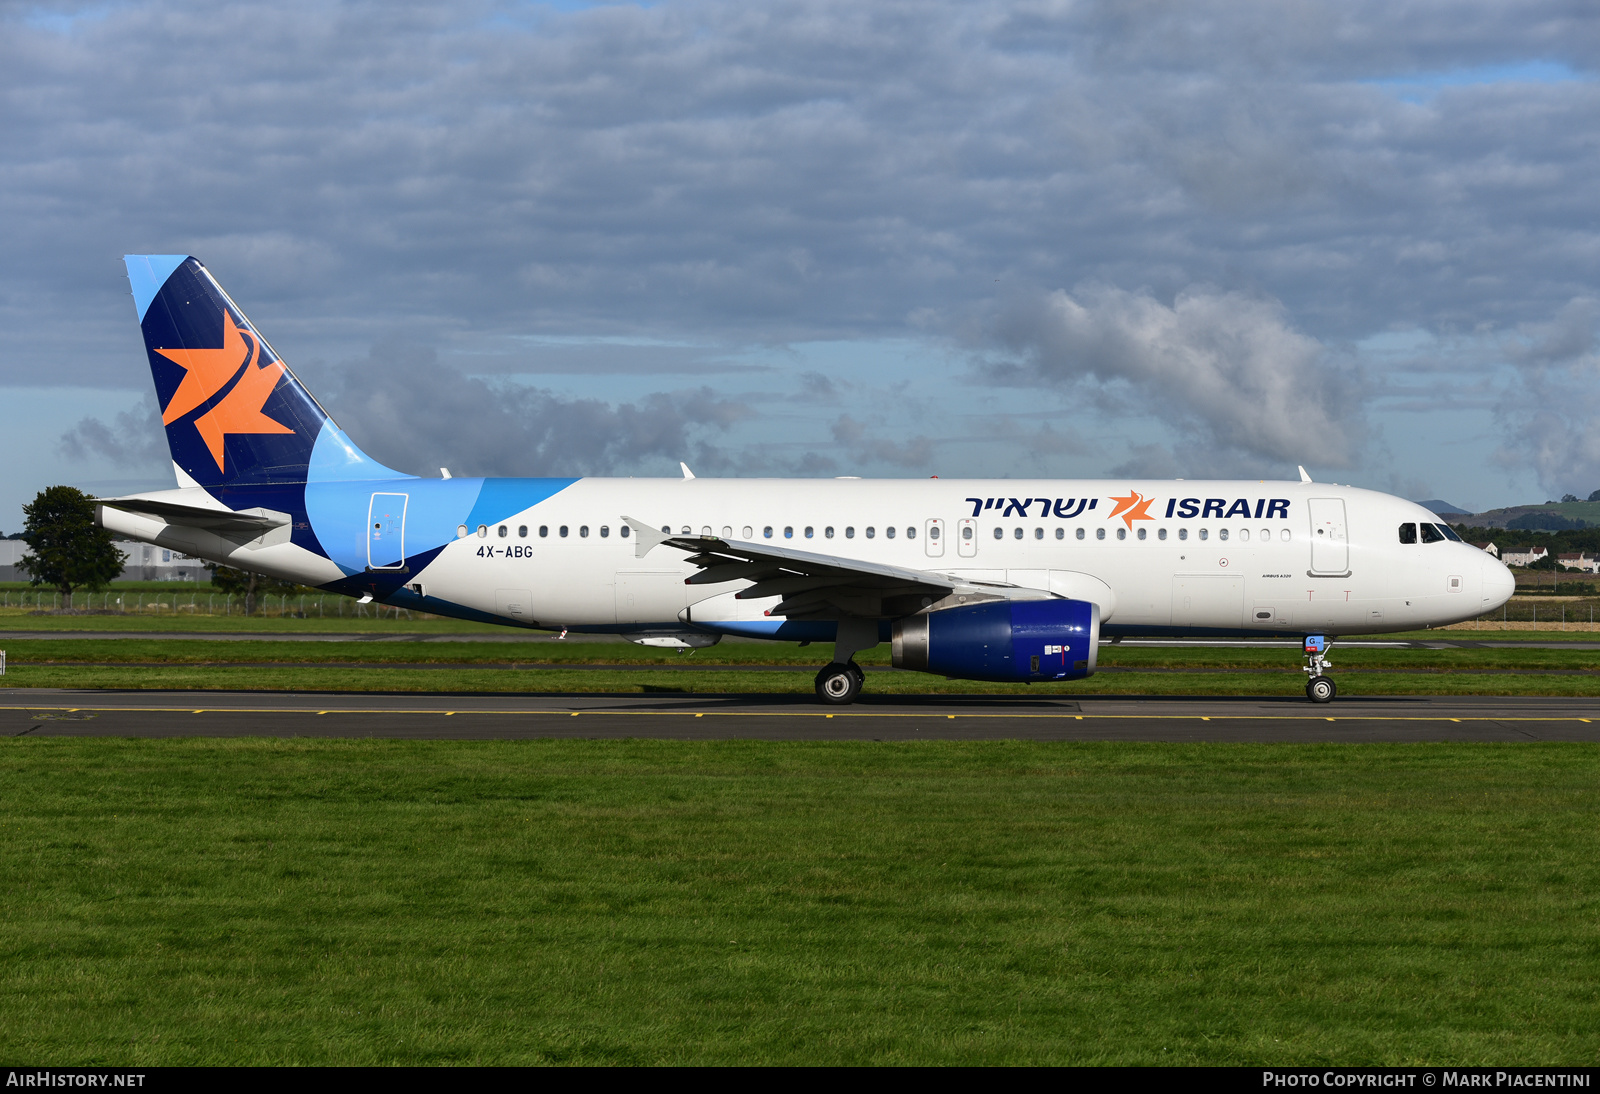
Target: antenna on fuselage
(1303,476)
(690,474)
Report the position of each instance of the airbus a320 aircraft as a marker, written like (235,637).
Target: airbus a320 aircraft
(1005,580)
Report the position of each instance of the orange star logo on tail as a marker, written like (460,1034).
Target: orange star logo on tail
(1131,508)
(208,372)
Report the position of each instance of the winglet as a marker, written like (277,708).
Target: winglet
(1303,476)
(686,472)
(645,537)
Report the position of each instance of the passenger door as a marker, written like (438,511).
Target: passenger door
(1330,550)
(386,532)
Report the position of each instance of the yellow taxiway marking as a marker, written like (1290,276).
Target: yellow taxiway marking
(802,714)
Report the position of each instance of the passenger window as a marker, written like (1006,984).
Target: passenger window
(766,533)
(1080,533)
(687,530)
(462,531)
(889,531)
(483,531)
(664,528)
(605,531)
(808,531)
(544,531)
(1222,533)
(827,533)
(522,531)
(727,531)
(871,531)
(1244,535)
(1285,535)
(706,531)
(623,531)
(788,532)
(1183,533)
(1122,533)
(1161,533)
(1430,534)
(503,531)
(583,530)
(1099,533)
(1018,534)
(1408,533)
(564,531)
(849,532)
(1141,533)
(1266,535)
(1061,533)
(748,531)
(999,533)
(911,531)
(1038,533)
(1202,533)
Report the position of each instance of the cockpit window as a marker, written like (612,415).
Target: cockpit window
(1408,533)
(1450,533)
(1431,534)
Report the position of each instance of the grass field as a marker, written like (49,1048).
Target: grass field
(546,666)
(346,902)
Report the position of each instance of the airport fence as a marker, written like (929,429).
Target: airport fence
(293,606)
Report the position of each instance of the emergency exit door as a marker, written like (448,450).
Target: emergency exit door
(386,532)
(1330,549)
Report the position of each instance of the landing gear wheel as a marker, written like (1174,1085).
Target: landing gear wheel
(839,684)
(1321,689)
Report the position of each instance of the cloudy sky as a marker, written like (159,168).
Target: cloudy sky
(1049,238)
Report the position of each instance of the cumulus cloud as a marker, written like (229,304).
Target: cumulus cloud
(1551,406)
(405,408)
(1225,370)
(134,440)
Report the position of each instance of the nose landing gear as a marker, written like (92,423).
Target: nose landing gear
(1320,688)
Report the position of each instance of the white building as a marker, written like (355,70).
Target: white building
(1524,558)
(144,562)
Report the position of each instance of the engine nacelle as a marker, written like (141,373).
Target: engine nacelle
(1005,640)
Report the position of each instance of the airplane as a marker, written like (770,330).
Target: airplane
(1012,580)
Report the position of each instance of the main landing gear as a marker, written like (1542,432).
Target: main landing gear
(1320,688)
(839,684)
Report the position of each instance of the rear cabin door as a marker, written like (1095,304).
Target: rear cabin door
(1330,549)
(386,532)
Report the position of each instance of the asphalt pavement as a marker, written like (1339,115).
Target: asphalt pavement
(40,712)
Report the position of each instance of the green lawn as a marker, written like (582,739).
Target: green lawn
(344,902)
(159,663)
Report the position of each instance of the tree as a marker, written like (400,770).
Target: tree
(1568,497)
(69,551)
(1595,496)
(248,584)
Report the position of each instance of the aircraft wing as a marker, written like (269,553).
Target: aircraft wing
(810,584)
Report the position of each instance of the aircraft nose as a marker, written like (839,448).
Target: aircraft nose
(1498,583)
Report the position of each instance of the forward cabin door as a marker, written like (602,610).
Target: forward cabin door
(386,532)
(1330,548)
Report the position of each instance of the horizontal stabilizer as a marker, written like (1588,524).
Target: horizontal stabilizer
(185,508)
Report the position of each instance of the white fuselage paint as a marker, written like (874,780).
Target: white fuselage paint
(1226,574)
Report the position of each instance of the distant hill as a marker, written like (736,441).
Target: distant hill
(1442,508)
(1550,517)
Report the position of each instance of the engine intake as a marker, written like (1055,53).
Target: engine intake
(1004,640)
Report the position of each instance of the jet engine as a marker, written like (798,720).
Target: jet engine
(1004,640)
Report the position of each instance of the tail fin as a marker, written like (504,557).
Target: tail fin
(234,413)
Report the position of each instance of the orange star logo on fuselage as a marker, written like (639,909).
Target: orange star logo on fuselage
(207,371)
(1131,508)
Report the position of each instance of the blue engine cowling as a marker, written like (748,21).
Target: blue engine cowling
(1003,640)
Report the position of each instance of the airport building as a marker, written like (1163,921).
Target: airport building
(142,562)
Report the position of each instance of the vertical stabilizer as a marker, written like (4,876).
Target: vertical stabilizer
(235,415)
